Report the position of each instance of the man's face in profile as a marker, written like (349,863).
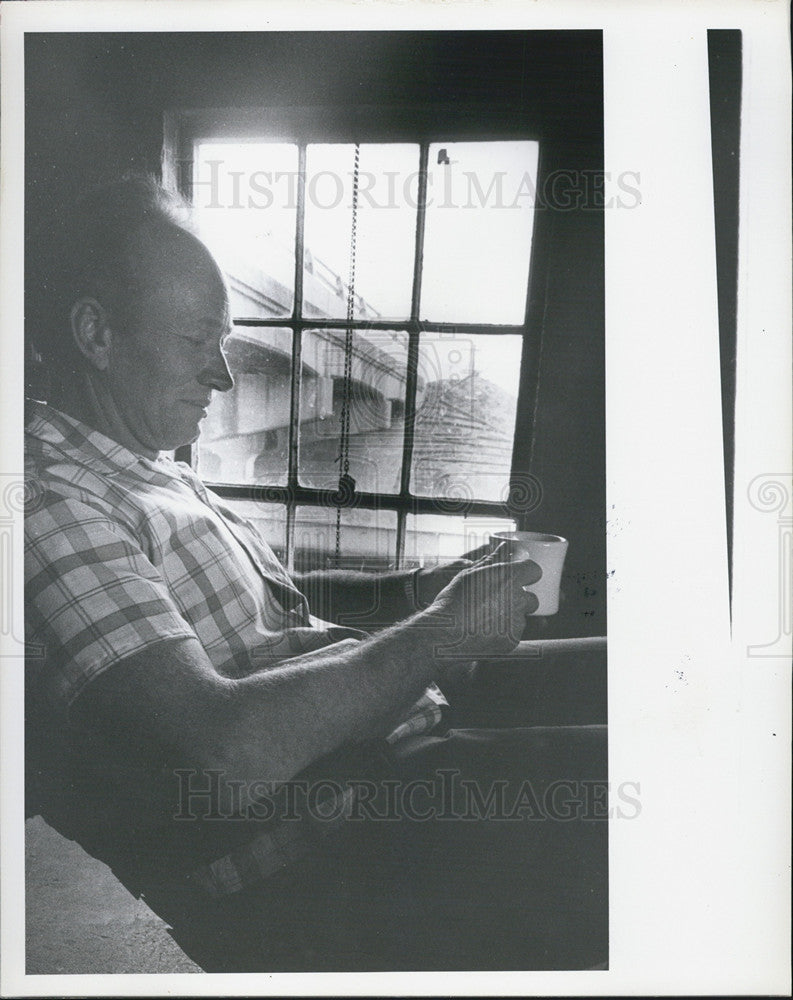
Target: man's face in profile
(168,357)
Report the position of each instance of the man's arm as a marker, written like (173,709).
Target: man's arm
(272,725)
(372,601)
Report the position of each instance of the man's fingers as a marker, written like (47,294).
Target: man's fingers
(493,555)
(457,566)
(525,571)
(474,555)
(528,571)
(532,602)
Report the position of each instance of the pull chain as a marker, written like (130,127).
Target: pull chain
(346,490)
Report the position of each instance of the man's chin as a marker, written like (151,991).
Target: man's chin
(187,435)
(190,438)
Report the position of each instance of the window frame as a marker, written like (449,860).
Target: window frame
(304,126)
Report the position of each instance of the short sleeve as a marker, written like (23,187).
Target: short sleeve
(92,597)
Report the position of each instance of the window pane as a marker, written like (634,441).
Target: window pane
(377,408)
(438,538)
(244,438)
(269,519)
(466,400)
(368,539)
(245,197)
(480,210)
(386,230)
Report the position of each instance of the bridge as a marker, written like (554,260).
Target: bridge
(245,434)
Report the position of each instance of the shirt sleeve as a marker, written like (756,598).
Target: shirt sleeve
(92,597)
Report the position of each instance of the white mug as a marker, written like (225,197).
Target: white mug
(549,552)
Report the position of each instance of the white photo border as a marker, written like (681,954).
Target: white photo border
(699,881)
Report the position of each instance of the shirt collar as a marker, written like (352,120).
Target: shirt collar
(81,443)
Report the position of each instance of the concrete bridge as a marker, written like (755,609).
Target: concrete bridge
(249,426)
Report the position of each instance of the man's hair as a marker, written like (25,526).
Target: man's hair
(90,250)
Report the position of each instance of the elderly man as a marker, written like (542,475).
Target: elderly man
(287,793)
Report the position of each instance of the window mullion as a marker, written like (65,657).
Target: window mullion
(297,364)
(300,230)
(421,212)
(312,497)
(413,342)
(410,411)
(400,325)
(289,554)
(400,538)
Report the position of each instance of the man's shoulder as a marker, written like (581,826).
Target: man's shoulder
(54,480)
(64,501)
(64,468)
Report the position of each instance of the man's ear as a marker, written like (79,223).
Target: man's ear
(91,332)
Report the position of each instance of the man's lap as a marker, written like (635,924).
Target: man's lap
(484,849)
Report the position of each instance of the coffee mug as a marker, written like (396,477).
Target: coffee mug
(548,551)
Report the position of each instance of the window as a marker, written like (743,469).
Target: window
(443,245)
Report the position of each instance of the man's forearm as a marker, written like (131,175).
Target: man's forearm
(283,719)
(368,601)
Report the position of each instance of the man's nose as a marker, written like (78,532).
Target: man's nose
(216,374)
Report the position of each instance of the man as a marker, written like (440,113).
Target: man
(186,697)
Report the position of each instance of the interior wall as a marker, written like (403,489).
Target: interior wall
(568,450)
(725,76)
(94,108)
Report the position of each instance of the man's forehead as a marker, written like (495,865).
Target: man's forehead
(166,254)
(175,267)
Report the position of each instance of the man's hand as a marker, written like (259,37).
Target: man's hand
(537,625)
(431,581)
(483,608)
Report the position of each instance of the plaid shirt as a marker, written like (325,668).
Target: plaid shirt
(123,552)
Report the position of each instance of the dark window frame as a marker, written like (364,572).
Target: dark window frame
(369,124)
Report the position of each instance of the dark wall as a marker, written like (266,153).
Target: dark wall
(568,450)
(95,106)
(725,75)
